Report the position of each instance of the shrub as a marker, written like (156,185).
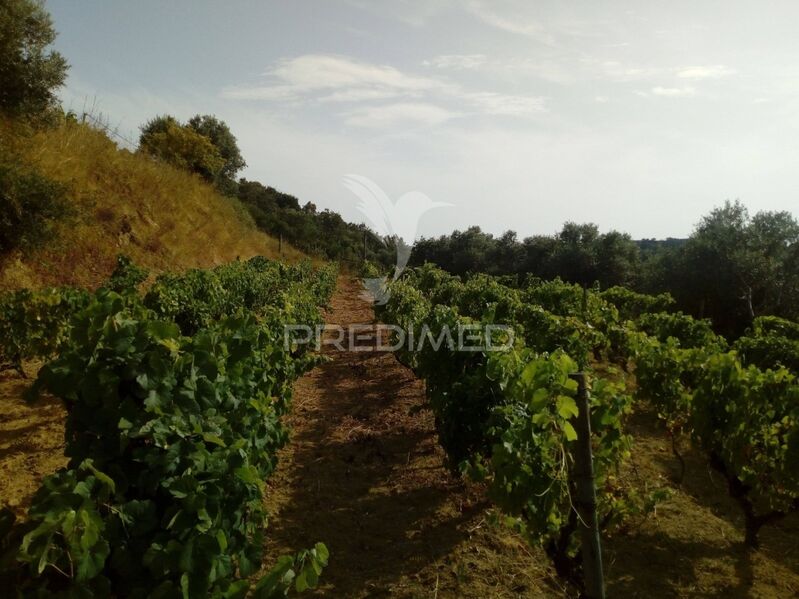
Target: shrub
(689,331)
(126,276)
(169,440)
(30,206)
(35,324)
(632,305)
(181,146)
(764,326)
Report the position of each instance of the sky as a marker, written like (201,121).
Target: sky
(637,116)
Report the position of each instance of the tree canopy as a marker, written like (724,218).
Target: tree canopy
(30,73)
(226,144)
(166,139)
(733,268)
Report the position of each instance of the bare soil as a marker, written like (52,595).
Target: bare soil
(364,474)
(31,441)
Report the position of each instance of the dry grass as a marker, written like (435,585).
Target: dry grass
(163,218)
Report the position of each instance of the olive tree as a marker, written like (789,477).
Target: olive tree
(30,72)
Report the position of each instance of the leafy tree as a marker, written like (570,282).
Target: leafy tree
(617,259)
(166,139)
(29,73)
(575,257)
(735,267)
(536,254)
(225,142)
(772,239)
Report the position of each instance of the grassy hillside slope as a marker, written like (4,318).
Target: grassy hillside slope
(163,218)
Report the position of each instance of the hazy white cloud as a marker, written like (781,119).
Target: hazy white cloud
(509,17)
(324,79)
(615,70)
(457,61)
(319,71)
(407,113)
(673,92)
(705,72)
(416,13)
(620,72)
(334,78)
(360,94)
(504,104)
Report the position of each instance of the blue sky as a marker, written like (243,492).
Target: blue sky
(637,116)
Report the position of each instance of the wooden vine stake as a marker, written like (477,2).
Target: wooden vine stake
(586,496)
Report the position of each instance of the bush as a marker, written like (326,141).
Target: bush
(126,276)
(169,438)
(30,206)
(763,326)
(35,324)
(689,331)
(181,146)
(632,305)
(769,352)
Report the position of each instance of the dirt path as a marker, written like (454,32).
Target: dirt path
(31,441)
(364,474)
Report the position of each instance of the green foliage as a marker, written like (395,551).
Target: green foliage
(764,326)
(126,276)
(631,305)
(664,374)
(746,419)
(748,422)
(733,268)
(530,467)
(166,139)
(36,324)
(579,254)
(225,142)
(370,270)
(170,439)
(690,332)
(769,352)
(198,297)
(29,72)
(771,342)
(474,297)
(322,233)
(567,299)
(547,315)
(547,332)
(30,207)
(506,417)
(303,570)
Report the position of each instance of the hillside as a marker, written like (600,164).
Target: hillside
(162,217)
